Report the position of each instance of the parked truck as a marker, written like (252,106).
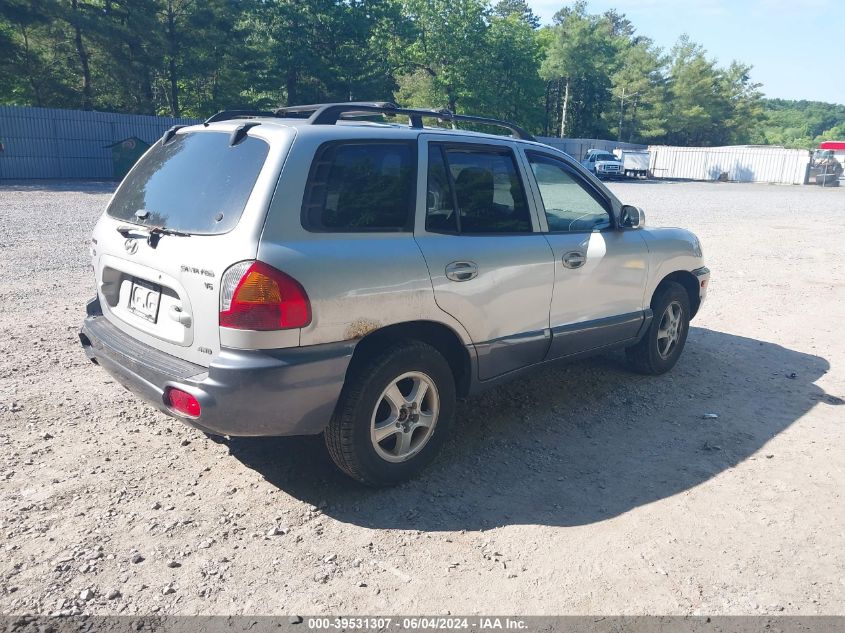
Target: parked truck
(635,162)
(602,163)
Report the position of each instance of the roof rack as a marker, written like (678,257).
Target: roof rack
(226,115)
(331,113)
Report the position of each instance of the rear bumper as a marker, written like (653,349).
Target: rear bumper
(242,393)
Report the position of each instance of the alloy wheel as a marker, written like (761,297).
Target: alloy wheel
(670,329)
(404,417)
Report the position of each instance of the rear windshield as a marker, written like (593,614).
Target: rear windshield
(197,183)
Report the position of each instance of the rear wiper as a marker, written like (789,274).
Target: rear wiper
(125,230)
(153,232)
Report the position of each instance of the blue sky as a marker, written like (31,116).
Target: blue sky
(780,38)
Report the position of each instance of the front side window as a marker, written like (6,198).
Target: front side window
(360,187)
(475,190)
(570,206)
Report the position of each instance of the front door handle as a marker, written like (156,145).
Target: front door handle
(574,259)
(461,271)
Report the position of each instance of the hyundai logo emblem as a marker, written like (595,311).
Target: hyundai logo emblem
(131,246)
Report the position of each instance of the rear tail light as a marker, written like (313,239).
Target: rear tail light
(182,402)
(255,296)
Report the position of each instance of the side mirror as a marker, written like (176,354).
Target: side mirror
(631,217)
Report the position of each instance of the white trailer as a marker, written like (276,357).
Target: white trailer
(634,162)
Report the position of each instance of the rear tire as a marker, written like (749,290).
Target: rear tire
(394,414)
(659,350)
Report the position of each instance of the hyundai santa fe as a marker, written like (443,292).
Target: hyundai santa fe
(333,269)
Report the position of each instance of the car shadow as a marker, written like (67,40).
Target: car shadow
(572,444)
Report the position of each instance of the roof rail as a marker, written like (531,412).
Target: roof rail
(225,115)
(331,113)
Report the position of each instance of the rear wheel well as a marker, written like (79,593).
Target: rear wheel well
(439,336)
(690,284)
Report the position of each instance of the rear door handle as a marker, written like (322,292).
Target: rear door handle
(461,271)
(574,259)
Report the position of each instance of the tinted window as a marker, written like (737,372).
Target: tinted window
(196,183)
(569,205)
(488,192)
(360,187)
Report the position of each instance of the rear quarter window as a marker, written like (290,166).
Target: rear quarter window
(358,186)
(196,183)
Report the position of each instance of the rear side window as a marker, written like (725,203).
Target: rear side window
(196,183)
(482,184)
(361,187)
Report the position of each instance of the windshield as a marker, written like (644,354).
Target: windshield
(196,183)
(605,156)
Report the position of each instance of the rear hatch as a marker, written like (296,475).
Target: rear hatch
(190,208)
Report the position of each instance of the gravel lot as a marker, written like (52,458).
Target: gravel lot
(582,489)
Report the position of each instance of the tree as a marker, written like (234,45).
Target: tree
(744,103)
(444,59)
(802,124)
(696,106)
(321,50)
(583,55)
(26,74)
(639,85)
(76,19)
(212,58)
(709,105)
(518,8)
(511,87)
(128,53)
(193,57)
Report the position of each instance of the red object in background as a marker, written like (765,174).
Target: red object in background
(832,145)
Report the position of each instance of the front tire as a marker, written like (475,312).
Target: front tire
(659,350)
(394,414)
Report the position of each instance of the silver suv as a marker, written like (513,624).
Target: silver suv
(315,270)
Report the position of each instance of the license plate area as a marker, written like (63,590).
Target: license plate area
(144,299)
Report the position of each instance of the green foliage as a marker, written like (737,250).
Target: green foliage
(800,124)
(585,52)
(640,78)
(519,9)
(617,84)
(709,105)
(487,57)
(442,56)
(511,87)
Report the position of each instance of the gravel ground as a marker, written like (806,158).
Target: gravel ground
(582,489)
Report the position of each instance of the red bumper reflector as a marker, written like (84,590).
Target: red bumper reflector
(182,402)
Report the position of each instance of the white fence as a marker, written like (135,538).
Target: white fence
(739,163)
